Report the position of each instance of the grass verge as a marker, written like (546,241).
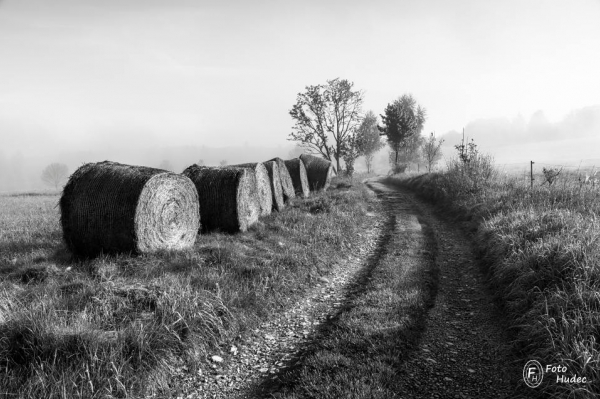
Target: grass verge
(357,353)
(541,249)
(118,326)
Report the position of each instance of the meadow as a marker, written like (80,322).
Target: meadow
(541,253)
(118,326)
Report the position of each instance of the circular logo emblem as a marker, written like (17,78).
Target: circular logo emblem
(533,374)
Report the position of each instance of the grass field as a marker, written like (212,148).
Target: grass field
(117,326)
(542,252)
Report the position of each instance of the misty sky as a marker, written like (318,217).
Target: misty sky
(82,74)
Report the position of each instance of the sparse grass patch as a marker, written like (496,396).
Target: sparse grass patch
(116,326)
(542,252)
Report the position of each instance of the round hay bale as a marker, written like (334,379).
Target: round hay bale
(275,180)
(297,171)
(318,170)
(228,197)
(265,196)
(286,180)
(108,207)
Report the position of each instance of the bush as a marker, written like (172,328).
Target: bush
(471,171)
(399,168)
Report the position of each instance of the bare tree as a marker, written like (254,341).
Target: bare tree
(200,162)
(223,162)
(54,174)
(326,118)
(432,151)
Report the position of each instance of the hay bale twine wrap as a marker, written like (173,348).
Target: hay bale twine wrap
(318,170)
(286,180)
(228,197)
(297,172)
(265,196)
(108,207)
(276,189)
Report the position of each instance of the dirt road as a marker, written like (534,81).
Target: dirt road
(462,351)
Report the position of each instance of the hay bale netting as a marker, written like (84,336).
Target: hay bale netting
(265,197)
(275,180)
(318,170)
(297,172)
(108,207)
(228,197)
(286,180)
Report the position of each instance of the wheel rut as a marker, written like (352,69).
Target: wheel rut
(463,350)
(278,343)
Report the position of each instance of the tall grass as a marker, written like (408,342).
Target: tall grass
(542,251)
(118,326)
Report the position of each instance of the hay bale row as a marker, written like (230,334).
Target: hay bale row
(318,170)
(263,185)
(108,207)
(286,180)
(228,197)
(276,189)
(297,172)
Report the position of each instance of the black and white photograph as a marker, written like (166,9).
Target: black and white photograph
(247,199)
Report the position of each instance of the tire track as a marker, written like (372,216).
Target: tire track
(464,351)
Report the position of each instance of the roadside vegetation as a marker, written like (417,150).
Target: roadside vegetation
(119,326)
(541,249)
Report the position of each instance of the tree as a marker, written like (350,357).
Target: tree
(223,162)
(368,139)
(200,162)
(352,152)
(166,165)
(326,117)
(54,174)
(432,151)
(402,124)
(412,150)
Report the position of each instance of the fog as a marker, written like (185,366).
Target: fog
(144,82)
(513,142)
(21,172)
(571,140)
